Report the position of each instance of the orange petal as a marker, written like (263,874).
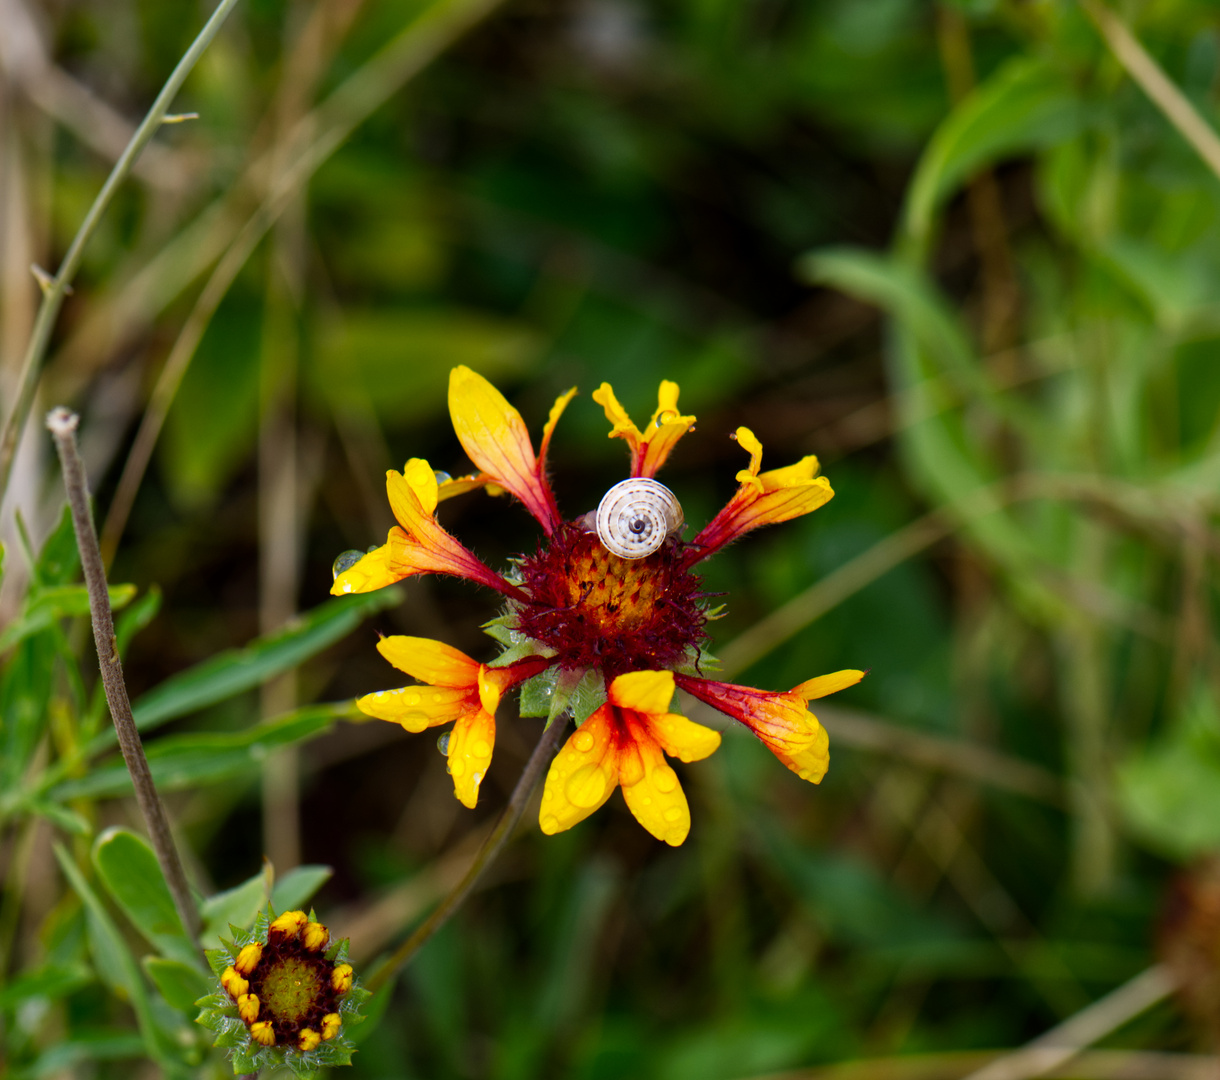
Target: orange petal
(683,738)
(374,571)
(643,691)
(494,437)
(824,685)
(582,776)
(418,707)
(561,403)
(651,447)
(651,788)
(430,661)
(470,745)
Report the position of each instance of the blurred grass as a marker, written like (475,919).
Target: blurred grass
(953,249)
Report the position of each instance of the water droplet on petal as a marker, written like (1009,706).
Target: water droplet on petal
(442,742)
(457,767)
(442,477)
(690,430)
(481,749)
(664,779)
(586,786)
(675,837)
(346,561)
(410,698)
(476,779)
(583,741)
(550,824)
(667,417)
(673,813)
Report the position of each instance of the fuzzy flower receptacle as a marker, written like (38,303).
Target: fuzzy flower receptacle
(287,996)
(604,628)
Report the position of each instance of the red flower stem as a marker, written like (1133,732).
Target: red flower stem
(530,775)
(62,424)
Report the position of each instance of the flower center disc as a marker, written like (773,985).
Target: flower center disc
(290,989)
(596,609)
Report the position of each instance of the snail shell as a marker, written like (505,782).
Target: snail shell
(636,516)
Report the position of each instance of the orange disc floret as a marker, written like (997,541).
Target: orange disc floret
(263,1032)
(233,983)
(247,1007)
(315,937)
(308,1040)
(341,978)
(289,924)
(331,1023)
(247,960)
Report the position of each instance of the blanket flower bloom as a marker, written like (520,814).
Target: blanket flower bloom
(286,996)
(606,618)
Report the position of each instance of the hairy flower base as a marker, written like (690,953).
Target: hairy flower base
(595,610)
(286,996)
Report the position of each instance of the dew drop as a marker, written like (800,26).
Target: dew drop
(673,813)
(675,837)
(667,417)
(410,698)
(664,779)
(550,824)
(371,548)
(476,778)
(457,767)
(583,741)
(586,786)
(346,561)
(481,749)
(442,742)
(442,477)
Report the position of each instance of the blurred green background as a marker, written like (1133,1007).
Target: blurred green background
(952,248)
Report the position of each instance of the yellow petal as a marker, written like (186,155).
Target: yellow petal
(806,753)
(667,403)
(582,776)
(828,684)
(772,507)
(495,438)
(652,791)
(470,745)
(790,475)
(620,422)
(683,738)
(748,441)
(374,571)
(561,403)
(643,691)
(417,707)
(430,661)
(491,688)
(460,486)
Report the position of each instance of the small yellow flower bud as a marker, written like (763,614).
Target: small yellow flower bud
(234,983)
(288,925)
(308,1040)
(331,1023)
(315,937)
(247,960)
(262,1032)
(247,1007)
(341,978)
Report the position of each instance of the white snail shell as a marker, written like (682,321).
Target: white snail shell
(636,516)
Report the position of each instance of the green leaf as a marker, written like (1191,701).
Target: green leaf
(235,907)
(1027,104)
(44,606)
(52,981)
(115,964)
(64,1056)
(237,670)
(294,889)
(180,984)
(180,761)
(129,869)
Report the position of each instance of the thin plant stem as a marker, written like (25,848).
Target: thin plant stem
(1063,1042)
(1161,90)
(56,288)
(486,854)
(63,424)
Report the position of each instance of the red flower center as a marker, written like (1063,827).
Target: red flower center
(598,610)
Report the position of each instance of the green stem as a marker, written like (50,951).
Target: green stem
(441,914)
(58,286)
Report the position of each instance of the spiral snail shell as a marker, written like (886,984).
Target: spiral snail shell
(636,516)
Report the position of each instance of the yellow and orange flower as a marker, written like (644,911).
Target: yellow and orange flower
(460,690)
(575,610)
(623,744)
